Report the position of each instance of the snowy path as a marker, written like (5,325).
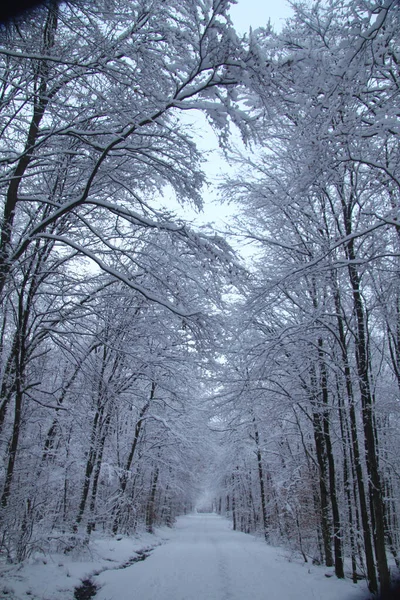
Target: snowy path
(205,560)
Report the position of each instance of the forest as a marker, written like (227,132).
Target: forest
(142,358)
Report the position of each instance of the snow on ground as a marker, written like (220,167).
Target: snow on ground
(205,560)
(200,559)
(55,577)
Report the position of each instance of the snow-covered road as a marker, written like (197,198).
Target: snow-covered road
(205,560)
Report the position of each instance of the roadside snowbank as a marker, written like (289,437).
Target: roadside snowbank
(55,577)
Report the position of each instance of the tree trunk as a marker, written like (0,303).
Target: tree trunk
(125,476)
(324,497)
(345,437)
(367,411)
(40,105)
(233,503)
(150,511)
(92,523)
(261,481)
(369,556)
(90,463)
(12,450)
(337,542)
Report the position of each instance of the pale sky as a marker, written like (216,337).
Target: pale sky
(255,13)
(245,14)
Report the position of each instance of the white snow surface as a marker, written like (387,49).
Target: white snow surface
(205,560)
(54,577)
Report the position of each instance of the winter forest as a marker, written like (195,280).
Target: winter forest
(145,364)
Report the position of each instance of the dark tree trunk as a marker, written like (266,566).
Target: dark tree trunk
(13,446)
(323,487)
(90,463)
(92,523)
(261,481)
(125,477)
(94,441)
(41,101)
(347,483)
(233,502)
(8,380)
(369,556)
(337,542)
(150,510)
(17,372)
(367,409)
